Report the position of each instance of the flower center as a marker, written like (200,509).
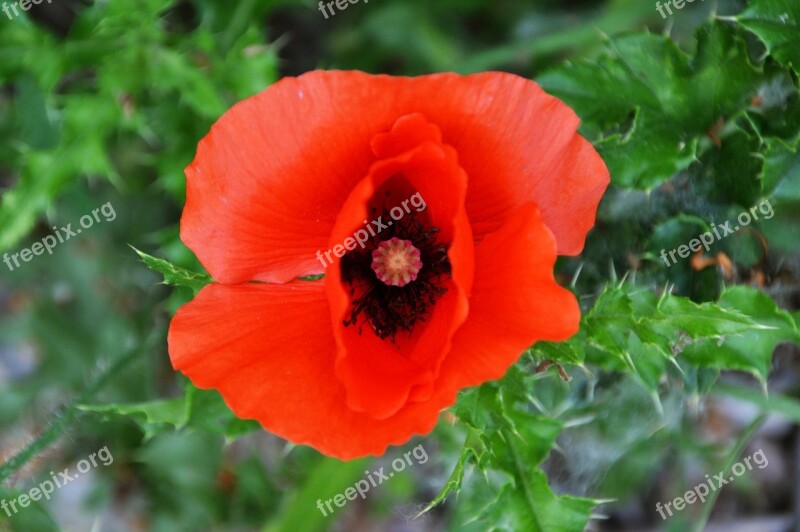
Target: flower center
(396,262)
(396,279)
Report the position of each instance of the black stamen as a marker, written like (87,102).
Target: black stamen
(391,308)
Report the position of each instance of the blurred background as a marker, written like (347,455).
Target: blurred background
(104,103)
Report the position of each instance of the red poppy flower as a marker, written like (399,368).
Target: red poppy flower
(444,294)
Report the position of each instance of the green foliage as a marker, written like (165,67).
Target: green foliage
(35,517)
(782,172)
(505,436)
(174,275)
(471,453)
(630,328)
(777,23)
(199,409)
(74,133)
(329,477)
(696,124)
(649,107)
(751,350)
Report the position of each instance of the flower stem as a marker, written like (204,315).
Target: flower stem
(734,455)
(69,414)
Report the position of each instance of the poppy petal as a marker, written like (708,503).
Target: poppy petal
(269,350)
(515,302)
(268,180)
(381,375)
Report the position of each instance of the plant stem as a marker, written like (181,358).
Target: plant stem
(69,414)
(733,456)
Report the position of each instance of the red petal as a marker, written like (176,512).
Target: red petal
(381,376)
(269,179)
(515,302)
(270,351)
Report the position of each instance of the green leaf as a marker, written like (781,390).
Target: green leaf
(175,71)
(174,275)
(630,329)
(200,409)
(36,127)
(472,452)
(150,416)
(649,107)
(42,178)
(777,23)
(328,478)
(752,349)
(650,362)
(515,441)
(609,321)
(531,505)
(208,411)
(732,171)
(706,320)
(557,352)
(781,175)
